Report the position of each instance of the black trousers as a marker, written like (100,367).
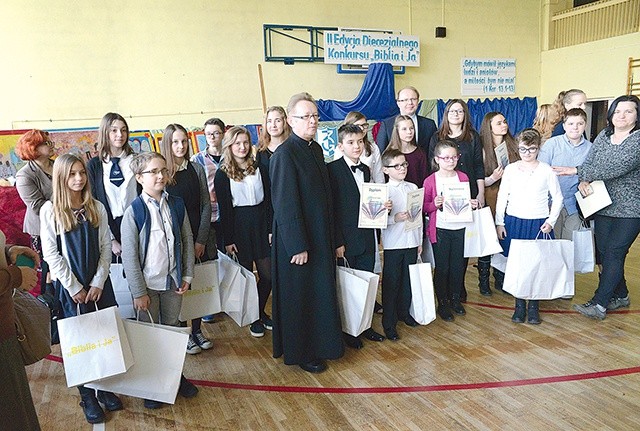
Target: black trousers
(448,252)
(396,286)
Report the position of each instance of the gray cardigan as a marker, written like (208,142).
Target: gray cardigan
(619,167)
(134,249)
(203,236)
(34,188)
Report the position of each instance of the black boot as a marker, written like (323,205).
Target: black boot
(498,277)
(484,266)
(456,306)
(520,313)
(444,311)
(89,403)
(534,313)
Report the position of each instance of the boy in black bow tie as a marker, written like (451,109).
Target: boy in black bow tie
(356,245)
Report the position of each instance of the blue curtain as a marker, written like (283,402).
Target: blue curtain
(519,113)
(376,99)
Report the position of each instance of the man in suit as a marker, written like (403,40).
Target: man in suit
(306,320)
(355,244)
(408,99)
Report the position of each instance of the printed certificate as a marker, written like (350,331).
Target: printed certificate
(415,199)
(373,214)
(457,202)
(502,155)
(597,200)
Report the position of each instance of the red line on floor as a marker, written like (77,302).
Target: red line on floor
(410,389)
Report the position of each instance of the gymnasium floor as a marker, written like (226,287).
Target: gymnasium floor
(480,372)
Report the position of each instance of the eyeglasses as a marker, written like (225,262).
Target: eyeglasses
(307,117)
(399,166)
(456,112)
(155,172)
(411,99)
(214,134)
(449,159)
(48,143)
(530,150)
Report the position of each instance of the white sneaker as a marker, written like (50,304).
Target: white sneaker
(202,341)
(192,346)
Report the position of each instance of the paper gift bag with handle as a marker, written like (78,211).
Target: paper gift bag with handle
(121,290)
(423,306)
(480,237)
(203,298)
(159,352)
(249,310)
(231,282)
(583,250)
(540,269)
(94,346)
(356,291)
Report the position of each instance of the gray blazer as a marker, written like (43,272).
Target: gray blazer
(34,187)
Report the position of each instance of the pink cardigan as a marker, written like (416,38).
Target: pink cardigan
(429,207)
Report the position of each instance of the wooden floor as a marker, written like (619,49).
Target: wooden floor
(481,372)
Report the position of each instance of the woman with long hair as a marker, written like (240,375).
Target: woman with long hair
(456,126)
(110,177)
(494,131)
(184,177)
(245,213)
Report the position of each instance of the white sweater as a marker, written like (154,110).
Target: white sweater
(526,194)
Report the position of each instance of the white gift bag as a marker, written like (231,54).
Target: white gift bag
(480,237)
(231,283)
(238,292)
(540,269)
(203,298)
(250,310)
(94,346)
(583,250)
(121,291)
(356,292)
(423,305)
(159,352)
(499,262)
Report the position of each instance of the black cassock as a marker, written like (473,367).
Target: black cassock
(306,321)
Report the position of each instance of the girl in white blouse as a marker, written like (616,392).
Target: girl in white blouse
(242,189)
(522,208)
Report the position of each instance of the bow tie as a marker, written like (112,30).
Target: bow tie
(360,166)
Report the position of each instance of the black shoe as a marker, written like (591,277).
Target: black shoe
(533,314)
(520,312)
(110,400)
(372,335)
(377,308)
(410,321)
(187,389)
(392,335)
(314,366)
(445,313)
(457,308)
(152,404)
(92,410)
(351,341)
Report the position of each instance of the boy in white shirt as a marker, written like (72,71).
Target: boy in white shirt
(157,250)
(401,248)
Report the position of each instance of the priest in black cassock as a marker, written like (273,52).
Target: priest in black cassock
(306,321)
